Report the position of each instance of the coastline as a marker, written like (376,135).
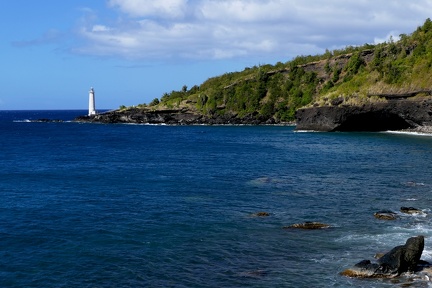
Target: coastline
(178,117)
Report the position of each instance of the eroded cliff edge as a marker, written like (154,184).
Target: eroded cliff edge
(397,114)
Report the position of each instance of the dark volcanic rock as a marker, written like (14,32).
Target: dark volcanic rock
(140,116)
(385,215)
(411,210)
(382,116)
(307,225)
(363,269)
(404,258)
(172,117)
(45,120)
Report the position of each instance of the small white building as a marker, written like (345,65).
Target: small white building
(92,110)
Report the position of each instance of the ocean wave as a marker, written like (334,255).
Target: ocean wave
(307,131)
(411,133)
(40,121)
(413,184)
(415,229)
(22,121)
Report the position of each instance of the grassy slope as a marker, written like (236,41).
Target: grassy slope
(354,75)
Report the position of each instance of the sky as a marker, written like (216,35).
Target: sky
(132,51)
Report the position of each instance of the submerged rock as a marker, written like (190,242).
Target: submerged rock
(400,259)
(385,215)
(262,214)
(307,225)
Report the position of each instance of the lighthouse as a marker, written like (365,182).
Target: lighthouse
(92,110)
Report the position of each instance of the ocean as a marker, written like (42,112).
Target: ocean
(96,205)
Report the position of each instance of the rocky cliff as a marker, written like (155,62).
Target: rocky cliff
(391,115)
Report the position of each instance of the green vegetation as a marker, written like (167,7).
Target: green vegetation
(354,74)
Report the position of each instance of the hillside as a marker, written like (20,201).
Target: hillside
(353,76)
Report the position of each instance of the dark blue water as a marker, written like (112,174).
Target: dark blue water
(93,205)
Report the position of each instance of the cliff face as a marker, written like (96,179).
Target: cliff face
(391,115)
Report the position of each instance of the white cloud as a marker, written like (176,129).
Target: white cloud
(159,8)
(203,29)
(392,36)
(100,28)
(244,11)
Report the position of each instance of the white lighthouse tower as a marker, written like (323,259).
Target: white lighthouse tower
(92,110)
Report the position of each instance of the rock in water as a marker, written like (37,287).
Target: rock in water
(400,259)
(363,269)
(308,225)
(403,258)
(411,210)
(385,215)
(262,214)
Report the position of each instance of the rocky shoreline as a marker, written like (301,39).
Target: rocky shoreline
(410,116)
(175,117)
(405,115)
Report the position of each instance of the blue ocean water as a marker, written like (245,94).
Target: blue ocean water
(94,205)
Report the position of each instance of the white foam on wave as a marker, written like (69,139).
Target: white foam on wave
(415,215)
(415,229)
(373,240)
(410,133)
(413,184)
(427,253)
(386,241)
(22,121)
(146,124)
(306,131)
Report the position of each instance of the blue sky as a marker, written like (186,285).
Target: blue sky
(132,51)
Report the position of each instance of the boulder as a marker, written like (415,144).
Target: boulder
(400,259)
(385,215)
(403,258)
(308,225)
(363,269)
(411,210)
